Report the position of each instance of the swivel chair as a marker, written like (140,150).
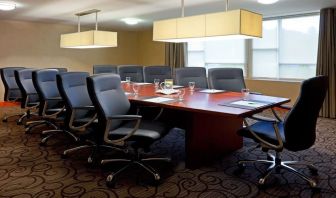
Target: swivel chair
(99,69)
(156,72)
(295,133)
(133,71)
(119,128)
(191,74)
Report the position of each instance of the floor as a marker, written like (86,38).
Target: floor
(30,170)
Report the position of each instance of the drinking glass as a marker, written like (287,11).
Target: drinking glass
(168,83)
(128,79)
(191,86)
(136,88)
(245,92)
(156,83)
(181,93)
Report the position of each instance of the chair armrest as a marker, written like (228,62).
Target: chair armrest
(125,117)
(85,108)
(264,142)
(152,107)
(262,118)
(121,141)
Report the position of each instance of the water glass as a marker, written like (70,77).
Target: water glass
(156,83)
(128,79)
(180,94)
(136,88)
(245,92)
(191,86)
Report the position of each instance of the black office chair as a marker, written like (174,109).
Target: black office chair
(191,74)
(133,71)
(229,79)
(295,133)
(81,114)
(99,69)
(12,91)
(30,99)
(156,72)
(118,127)
(51,104)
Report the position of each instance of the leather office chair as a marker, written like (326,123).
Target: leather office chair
(51,104)
(133,71)
(30,99)
(229,79)
(80,114)
(12,91)
(191,74)
(118,127)
(156,72)
(295,133)
(98,69)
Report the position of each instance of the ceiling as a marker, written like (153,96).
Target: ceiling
(62,11)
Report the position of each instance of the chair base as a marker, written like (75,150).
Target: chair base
(6,117)
(32,124)
(112,177)
(275,164)
(51,133)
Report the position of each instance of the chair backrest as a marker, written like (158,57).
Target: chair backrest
(73,89)
(156,72)
(191,74)
(133,71)
(46,88)
(300,123)
(98,69)
(24,80)
(12,91)
(60,69)
(229,79)
(108,97)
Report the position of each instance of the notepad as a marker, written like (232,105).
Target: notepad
(128,93)
(177,86)
(167,91)
(143,83)
(158,99)
(247,103)
(211,91)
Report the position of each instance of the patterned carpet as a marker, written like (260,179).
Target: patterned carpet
(28,170)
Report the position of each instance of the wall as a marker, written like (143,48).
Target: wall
(37,45)
(150,52)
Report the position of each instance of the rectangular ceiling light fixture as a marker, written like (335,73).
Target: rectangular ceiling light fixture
(222,25)
(89,39)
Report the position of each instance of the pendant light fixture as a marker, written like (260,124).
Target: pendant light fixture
(221,25)
(89,39)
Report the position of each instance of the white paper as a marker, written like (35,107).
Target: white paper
(128,93)
(167,91)
(177,86)
(143,83)
(158,99)
(211,91)
(249,103)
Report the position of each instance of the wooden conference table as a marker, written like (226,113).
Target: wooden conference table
(211,129)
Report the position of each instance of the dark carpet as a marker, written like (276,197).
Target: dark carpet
(29,170)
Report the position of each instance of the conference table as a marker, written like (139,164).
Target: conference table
(209,119)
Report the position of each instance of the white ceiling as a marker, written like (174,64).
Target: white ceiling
(62,11)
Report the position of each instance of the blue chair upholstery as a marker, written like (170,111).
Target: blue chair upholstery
(98,69)
(156,72)
(191,74)
(229,79)
(12,91)
(133,71)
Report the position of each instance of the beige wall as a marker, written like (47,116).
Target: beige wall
(150,52)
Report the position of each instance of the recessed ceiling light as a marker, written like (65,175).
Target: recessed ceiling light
(6,5)
(267,1)
(131,21)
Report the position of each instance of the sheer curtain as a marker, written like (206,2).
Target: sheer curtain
(326,58)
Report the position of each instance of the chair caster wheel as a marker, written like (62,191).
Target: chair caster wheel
(312,184)
(90,160)
(157,177)
(42,144)
(261,181)
(241,166)
(27,130)
(19,122)
(4,120)
(110,181)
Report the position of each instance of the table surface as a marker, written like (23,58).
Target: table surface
(9,104)
(204,102)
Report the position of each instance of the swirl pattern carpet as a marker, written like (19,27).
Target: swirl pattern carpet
(29,170)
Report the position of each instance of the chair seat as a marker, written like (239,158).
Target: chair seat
(148,131)
(265,130)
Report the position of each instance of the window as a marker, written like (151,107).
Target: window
(219,53)
(288,50)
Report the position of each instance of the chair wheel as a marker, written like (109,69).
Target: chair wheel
(312,184)
(157,177)
(4,120)
(42,143)
(64,156)
(90,160)
(261,181)
(19,122)
(110,181)
(241,166)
